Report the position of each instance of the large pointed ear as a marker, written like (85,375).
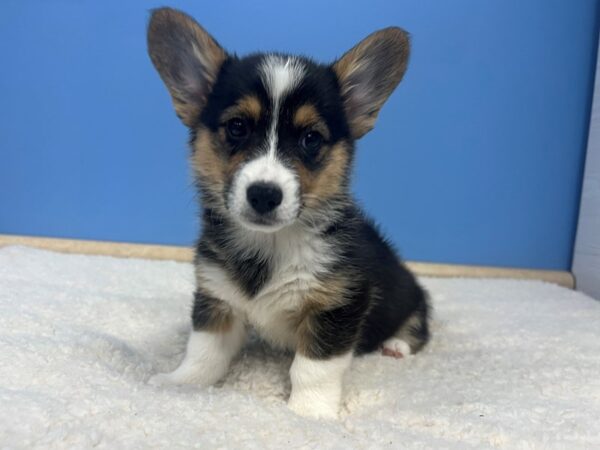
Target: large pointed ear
(187,58)
(368,73)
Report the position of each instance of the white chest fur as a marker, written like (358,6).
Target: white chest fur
(297,257)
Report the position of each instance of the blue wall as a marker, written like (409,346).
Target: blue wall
(477,158)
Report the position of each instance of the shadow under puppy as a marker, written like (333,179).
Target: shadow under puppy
(284,247)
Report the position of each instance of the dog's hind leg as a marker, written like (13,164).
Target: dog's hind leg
(411,337)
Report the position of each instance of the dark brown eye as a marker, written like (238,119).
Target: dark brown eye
(237,128)
(311,141)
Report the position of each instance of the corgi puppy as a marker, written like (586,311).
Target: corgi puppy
(284,247)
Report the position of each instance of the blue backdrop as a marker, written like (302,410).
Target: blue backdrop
(477,158)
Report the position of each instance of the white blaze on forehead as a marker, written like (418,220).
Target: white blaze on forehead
(280,76)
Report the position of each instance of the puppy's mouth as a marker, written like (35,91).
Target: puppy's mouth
(269,223)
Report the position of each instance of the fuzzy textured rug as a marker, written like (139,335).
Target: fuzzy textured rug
(512,364)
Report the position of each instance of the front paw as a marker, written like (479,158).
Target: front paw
(313,408)
(163,379)
(197,375)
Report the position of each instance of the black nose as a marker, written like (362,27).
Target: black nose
(264,197)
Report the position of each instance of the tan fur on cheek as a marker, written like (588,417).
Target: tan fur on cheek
(207,163)
(234,164)
(328,181)
(210,164)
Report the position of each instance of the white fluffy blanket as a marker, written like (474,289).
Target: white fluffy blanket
(512,364)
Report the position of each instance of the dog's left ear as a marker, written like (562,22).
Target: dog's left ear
(368,74)
(187,58)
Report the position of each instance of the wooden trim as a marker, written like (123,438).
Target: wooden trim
(119,249)
(186,254)
(562,278)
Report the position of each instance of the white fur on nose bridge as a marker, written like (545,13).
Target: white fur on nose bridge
(269,170)
(280,75)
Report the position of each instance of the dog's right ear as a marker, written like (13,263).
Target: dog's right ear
(187,58)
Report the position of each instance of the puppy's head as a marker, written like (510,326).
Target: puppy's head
(272,134)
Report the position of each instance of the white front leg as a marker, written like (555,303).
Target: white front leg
(207,357)
(317,385)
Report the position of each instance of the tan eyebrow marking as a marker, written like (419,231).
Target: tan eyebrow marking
(307,116)
(248,106)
